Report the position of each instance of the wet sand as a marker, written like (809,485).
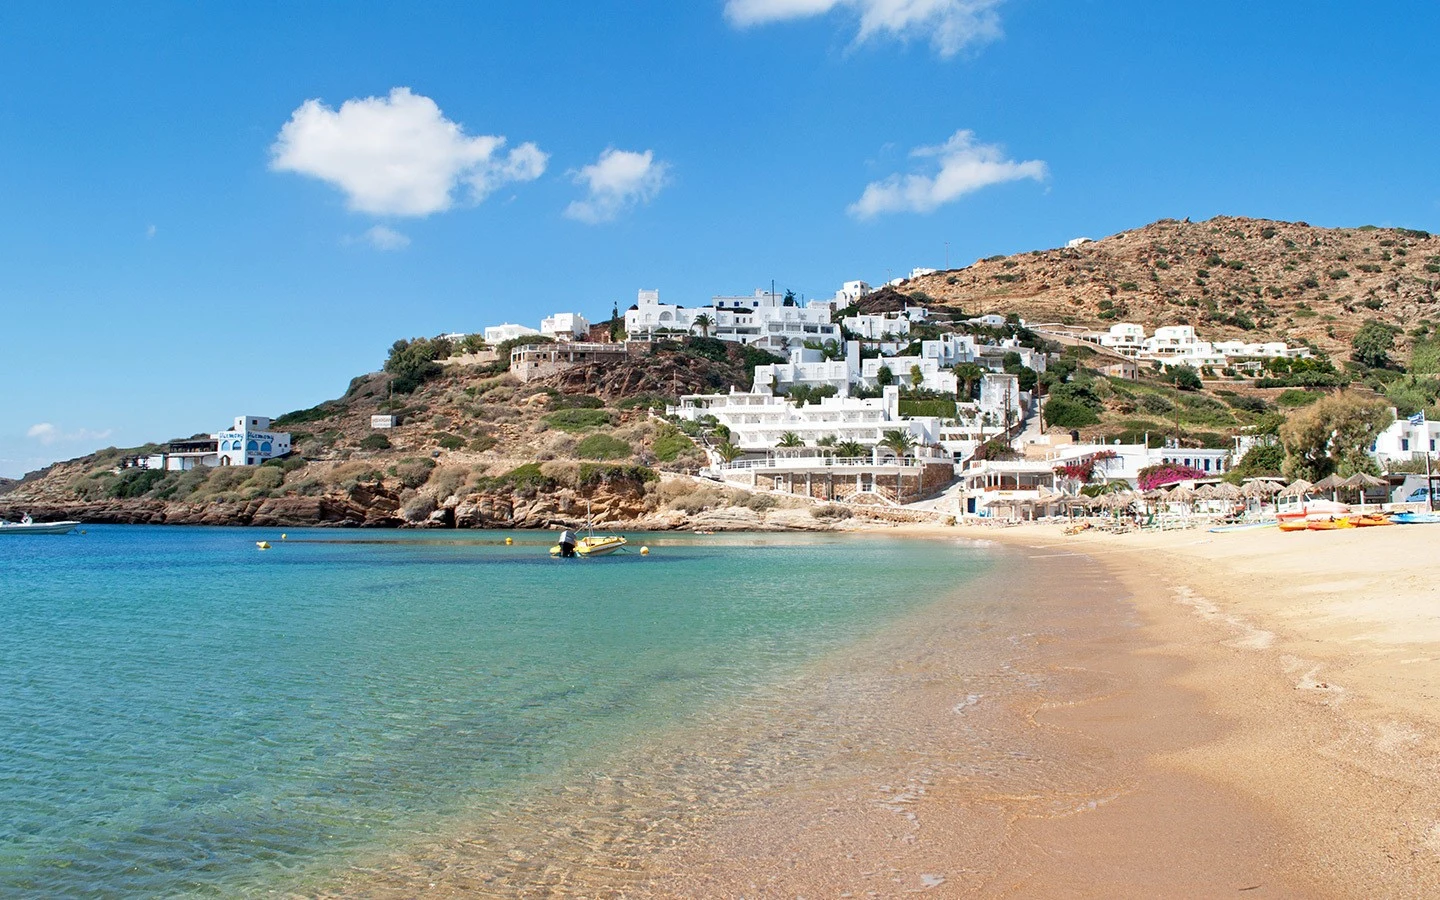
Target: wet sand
(1080,732)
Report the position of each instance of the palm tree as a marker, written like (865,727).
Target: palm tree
(849,449)
(728,452)
(790,439)
(899,441)
(704,322)
(968,373)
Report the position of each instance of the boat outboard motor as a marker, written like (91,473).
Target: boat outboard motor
(567,543)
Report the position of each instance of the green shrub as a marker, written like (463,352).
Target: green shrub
(591,474)
(313,414)
(1294,398)
(1063,413)
(573,420)
(135,483)
(1425,358)
(451,441)
(940,409)
(375,441)
(525,476)
(482,443)
(671,444)
(602,446)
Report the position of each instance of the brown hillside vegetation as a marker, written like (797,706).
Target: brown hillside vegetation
(1236,278)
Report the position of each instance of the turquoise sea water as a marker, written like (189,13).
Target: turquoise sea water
(183,713)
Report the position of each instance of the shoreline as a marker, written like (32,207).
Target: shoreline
(1320,657)
(1042,767)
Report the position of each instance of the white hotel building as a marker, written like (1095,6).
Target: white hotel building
(248,442)
(761,320)
(1404,442)
(757,421)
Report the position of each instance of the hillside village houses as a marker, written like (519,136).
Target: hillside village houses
(1179,345)
(1406,441)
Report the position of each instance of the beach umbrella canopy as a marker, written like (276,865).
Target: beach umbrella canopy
(1363,480)
(1258,490)
(1296,488)
(1181,494)
(1206,492)
(1331,482)
(1226,491)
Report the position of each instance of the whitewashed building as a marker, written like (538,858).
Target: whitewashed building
(762,319)
(809,368)
(565,327)
(507,331)
(1405,441)
(250,442)
(849,293)
(878,327)
(758,421)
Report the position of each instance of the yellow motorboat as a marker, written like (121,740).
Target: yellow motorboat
(594,545)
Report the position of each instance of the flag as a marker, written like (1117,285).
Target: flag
(1418,419)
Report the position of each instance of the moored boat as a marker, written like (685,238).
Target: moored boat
(1370,520)
(1329,523)
(1416,518)
(29,527)
(594,545)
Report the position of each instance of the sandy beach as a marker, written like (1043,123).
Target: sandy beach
(1176,714)
(1315,658)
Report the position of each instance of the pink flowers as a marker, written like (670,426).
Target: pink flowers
(1152,477)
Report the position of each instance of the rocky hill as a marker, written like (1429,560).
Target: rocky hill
(1229,277)
(474,447)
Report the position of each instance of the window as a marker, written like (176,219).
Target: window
(253,445)
(1404,443)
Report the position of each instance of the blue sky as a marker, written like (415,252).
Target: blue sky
(186,238)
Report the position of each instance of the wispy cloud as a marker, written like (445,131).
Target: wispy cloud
(961,166)
(381,237)
(949,25)
(47,433)
(615,182)
(150,232)
(399,155)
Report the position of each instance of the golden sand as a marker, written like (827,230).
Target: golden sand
(1180,714)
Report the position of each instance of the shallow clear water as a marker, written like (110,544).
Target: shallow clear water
(183,713)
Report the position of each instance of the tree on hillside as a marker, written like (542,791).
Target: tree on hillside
(884,377)
(850,449)
(969,374)
(728,452)
(1184,377)
(790,440)
(704,323)
(1333,435)
(1373,343)
(412,363)
(917,376)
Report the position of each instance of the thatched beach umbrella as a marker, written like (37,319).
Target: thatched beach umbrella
(1332,483)
(1360,481)
(1205,492)
(1297,488)
(1226,491)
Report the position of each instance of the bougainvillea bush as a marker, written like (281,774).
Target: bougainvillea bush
(1152,477)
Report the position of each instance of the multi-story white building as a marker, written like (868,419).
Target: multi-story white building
(758,421)
(494,334)
(1406,441)
(878,328)
(849,293)
(934,375)
(1179,345)
(565,327)
(762,319)
(248,442)
(809,368)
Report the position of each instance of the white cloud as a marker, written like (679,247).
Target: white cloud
(383,238)
(950,25)
(47,433)
(398,155)
(964,167)
(150,232)
(618,180)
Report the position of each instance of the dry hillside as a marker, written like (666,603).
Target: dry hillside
(1229,277)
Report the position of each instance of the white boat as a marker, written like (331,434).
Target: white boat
(29,527)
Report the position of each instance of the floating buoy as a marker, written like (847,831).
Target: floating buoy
(263,545)
(283,537)
(509,541)
(644,551)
